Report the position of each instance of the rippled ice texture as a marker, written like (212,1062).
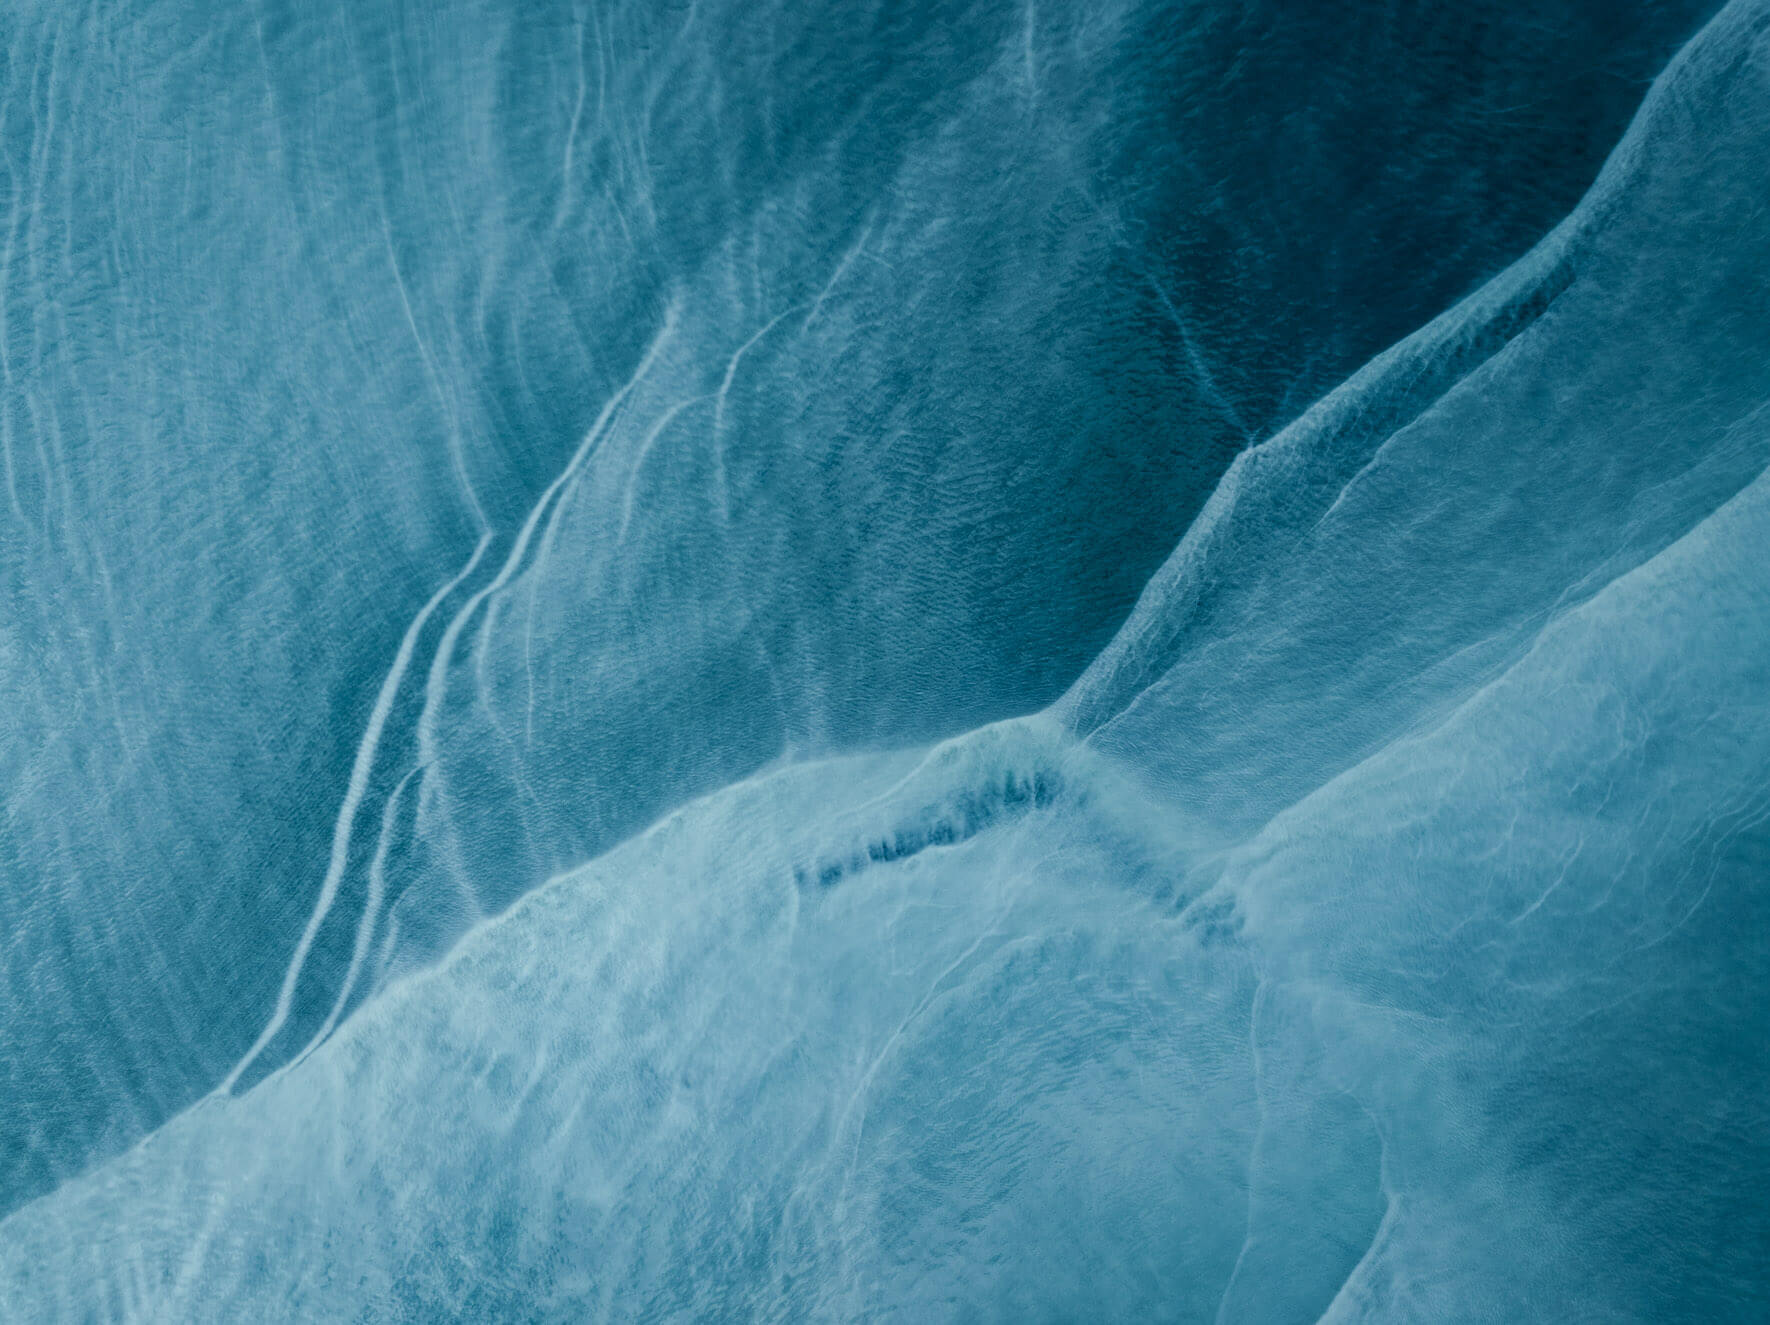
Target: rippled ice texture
(960,661)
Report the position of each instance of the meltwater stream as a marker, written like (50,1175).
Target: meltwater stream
(972,661)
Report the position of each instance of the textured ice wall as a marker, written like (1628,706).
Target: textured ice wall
(310,311)
(1375,931)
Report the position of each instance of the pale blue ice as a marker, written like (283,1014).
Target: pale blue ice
(952,662)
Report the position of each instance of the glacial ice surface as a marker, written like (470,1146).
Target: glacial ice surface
(967,662)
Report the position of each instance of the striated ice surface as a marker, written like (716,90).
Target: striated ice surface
(981,662)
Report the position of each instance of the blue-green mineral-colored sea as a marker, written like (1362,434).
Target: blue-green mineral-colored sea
(884,660)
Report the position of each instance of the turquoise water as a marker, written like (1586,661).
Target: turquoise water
(944,662)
